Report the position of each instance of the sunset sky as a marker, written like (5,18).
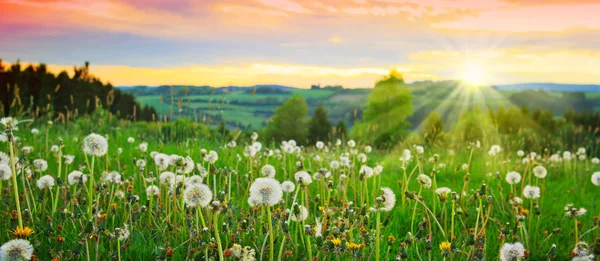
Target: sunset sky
(304,42)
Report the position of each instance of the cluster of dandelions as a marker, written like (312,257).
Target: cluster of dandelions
(246,201)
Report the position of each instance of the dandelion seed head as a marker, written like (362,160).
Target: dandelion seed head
(40,165)
(95,145)
(268,171)
(198,195)
(288,186)
(424,180)
(5,172)
(513,177)
(531,192)
(16,250)
(512,252)
(45,181)
(76,177)
(389,199)
(266,191)
(302,177)
(540,172)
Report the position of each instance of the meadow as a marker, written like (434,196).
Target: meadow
(102,189)
(242,108)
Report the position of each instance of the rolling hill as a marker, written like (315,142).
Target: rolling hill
(252,106)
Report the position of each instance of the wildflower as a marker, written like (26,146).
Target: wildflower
(513,177)
(595,160)
(248,254)
(303,177)
(520,153)
(141,163)
(334,164)
(268,171)
(420,150)
(95,145)
(193,180)
(35,131)
(162,161)
(188,165)
(368,149)
(152,190)
(362,157)
(122,233)
(266,191)
(143,147)
(69,159)
(443,193)
(567,155)
(351,143)
(22,232)
(254,136)
(288,186)
(389,199)
(336,241)
(531,192)
(495,149)
(76,177)
(512,252)
(516,201)
(540,172)
(111,177)
(424,180)
(211,157)
(45,181)
(320,145)
(40,165)
(595,178)
(16,249)
(354,246)
(167,177)
(5,172)
(130,140)
(574,212)
(232,144)
(299,213)
(366,171)
(445,246)
(198,195)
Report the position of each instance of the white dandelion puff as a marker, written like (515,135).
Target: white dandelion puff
(531,192)
(513,177)
(95,145)
(540,172)
(265,191)
(15,250)
(268,171)
(197,196)
(512,252)
(76,177)
(45,181)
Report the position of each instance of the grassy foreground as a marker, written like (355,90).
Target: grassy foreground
(125,195)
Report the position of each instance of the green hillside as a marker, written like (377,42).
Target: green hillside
(251,107)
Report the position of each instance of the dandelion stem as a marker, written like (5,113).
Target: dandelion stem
(14,181)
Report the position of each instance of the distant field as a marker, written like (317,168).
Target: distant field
(250,108)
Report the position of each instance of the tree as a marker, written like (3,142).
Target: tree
(289,121)
(340,130)
(433,128)
(319,125)
(384,120)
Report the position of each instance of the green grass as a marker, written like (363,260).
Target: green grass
(171,230)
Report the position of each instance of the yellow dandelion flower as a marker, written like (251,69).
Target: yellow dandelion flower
(22,232)
(445,246)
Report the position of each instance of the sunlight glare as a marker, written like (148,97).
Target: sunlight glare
(473,73)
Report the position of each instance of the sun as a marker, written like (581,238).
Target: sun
(473,73)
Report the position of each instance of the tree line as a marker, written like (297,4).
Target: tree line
(34,92)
